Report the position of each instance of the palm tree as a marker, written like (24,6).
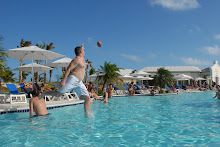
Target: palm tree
(110,71)
(163,77)
(39,61)
(23,44)
(2,58)
(133,71)
(91,72)
(48,47)
(89,64)
(8,75)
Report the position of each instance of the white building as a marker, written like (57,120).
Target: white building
(175,70)
(212,73)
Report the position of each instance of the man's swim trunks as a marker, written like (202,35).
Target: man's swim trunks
(73,83)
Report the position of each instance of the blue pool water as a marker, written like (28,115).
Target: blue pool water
(187,119)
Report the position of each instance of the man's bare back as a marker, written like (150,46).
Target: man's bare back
(38,106)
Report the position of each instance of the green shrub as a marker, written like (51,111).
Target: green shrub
(167,91)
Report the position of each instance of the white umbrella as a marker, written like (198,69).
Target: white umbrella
(200,78)
(64,62)
(140,73)
(96,75)
(36,67)
(183,77)
(32,53)
(143,78)
(126,77)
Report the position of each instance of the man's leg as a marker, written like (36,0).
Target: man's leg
(86,104)
(51,93)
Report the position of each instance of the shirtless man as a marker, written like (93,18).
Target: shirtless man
(110,91)
(76,69)
(36,105)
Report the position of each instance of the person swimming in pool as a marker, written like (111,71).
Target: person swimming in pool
(36,105)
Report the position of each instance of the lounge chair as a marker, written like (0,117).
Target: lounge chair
(38,87)
(115,88)
(14,96)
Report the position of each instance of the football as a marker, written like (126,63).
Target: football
(99,44)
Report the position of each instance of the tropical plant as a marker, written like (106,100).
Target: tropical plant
(25,74)
(110,73)
(163,77)
(2,58)
(8,75)
(91,72)
(89,64)
(133,71)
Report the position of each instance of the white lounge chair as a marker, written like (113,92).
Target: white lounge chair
(14,96)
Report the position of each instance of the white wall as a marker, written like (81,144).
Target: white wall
(215,73)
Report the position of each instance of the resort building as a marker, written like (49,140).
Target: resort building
(212,73)
(209,73)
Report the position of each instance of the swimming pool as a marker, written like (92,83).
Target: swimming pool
(187,119)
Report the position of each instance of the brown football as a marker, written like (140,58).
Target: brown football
(99,44)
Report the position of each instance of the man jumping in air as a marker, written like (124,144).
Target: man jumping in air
(73,80)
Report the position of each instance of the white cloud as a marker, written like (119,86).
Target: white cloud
(212,50)
(132,57)
(177,4)
(217,36)
(191,61)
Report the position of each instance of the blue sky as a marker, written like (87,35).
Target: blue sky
(134,33)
